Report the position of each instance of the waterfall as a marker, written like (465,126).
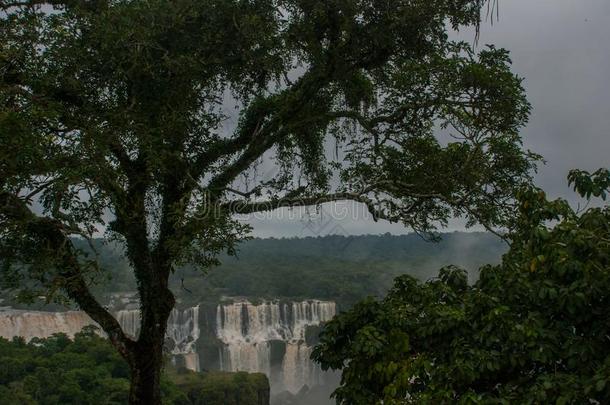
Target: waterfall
(298,369)
(249,331)
(268,337)
(182,331)
(30,324)
(129,319)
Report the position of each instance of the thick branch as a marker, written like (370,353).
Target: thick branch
(267,121)
(254,151)
(52,231)
(249,207)
(221,148)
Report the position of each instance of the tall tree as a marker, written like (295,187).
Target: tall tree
(112,121)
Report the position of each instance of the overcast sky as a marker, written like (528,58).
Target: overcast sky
(562,50)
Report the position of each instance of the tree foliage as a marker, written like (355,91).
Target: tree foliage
(87,370)
(57,370)
(531,330)
(112,120)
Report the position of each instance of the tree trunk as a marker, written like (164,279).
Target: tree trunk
(146,368)
(146,359)
(152,270)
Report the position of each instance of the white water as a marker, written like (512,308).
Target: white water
(248,330)
(31,324)
(182,330)
(182,327)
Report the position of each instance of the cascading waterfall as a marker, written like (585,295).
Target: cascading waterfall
(31,324)
(129,319)
(248,332)
(182,330)
(298,369)
(269,337)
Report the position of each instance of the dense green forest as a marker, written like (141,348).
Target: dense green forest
(340,268)
(87,370)
(344,269)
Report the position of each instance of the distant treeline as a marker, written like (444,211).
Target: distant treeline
(340,268)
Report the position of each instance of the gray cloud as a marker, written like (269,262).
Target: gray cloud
(561,49)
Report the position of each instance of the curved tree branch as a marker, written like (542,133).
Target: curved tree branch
(53,232)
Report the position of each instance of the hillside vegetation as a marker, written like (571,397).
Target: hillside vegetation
(339,268)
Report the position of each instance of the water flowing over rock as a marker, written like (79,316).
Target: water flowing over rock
(31,324)
(269,337)
(252,333)
(182,332)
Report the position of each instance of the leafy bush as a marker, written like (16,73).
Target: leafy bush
(531,330)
